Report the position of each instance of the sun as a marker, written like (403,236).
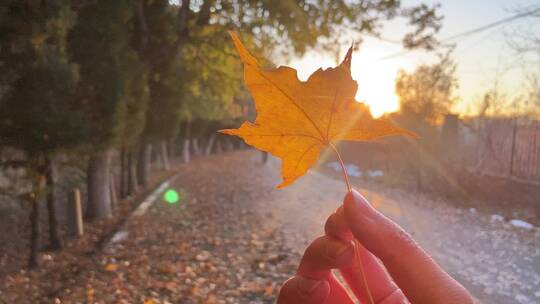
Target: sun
(376,79)
(376,87)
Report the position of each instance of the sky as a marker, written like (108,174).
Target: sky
(483,59)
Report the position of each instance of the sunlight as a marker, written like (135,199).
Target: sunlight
(377,91)
(376,80)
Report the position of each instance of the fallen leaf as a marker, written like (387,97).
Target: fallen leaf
(269,290)
(90,292)
(194,291)
(111,267)
(296,119)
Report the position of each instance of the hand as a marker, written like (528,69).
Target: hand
(396,269)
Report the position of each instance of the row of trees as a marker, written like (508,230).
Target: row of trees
(87,78)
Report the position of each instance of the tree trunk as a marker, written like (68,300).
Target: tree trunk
(185,152)
(123,173)
(187,139)
(219,146)
(143,164)
(141,25)
(196,147)
(35,237)
(74,214)
(113,191)
(54,235)
(164,155)
(210,144)
(132,174)
(99,197)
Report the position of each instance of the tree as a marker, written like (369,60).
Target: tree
(525,41)
(209,86)
(427,93)
(111,85)
(165,30)
(426,96)
(134,117)
(156,42)
(38,113)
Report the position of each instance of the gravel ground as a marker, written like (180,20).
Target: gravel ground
(234,238)
(497,262)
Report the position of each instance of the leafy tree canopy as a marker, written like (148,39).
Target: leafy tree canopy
(37,111)
(113,81)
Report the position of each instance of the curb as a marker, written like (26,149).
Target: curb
(121,234)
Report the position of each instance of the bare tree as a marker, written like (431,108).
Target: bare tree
(524,39)
(427,93)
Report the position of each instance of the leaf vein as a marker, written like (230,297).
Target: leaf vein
(303,155)
(331,115)
(282,135)
(291,99)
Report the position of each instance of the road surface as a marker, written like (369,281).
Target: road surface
(497,262)
(234,238)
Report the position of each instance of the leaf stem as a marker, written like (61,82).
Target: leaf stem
(357,243)
(362,271)
(345,175)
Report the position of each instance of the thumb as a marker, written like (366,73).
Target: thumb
(301,290)
(414,271)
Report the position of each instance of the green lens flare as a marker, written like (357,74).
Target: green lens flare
(171,196)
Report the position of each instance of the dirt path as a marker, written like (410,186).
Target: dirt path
(498,263)
(234,238)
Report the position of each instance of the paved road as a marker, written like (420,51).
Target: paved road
(498,263)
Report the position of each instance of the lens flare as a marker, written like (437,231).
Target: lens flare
(171,196)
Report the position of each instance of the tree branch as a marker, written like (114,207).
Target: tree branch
(142,25)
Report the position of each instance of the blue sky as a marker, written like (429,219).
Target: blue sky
(483,59)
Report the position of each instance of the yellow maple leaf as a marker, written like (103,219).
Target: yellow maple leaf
(296,119)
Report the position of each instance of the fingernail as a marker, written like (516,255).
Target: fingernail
(307,286)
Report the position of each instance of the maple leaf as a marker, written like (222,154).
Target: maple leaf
(296,119)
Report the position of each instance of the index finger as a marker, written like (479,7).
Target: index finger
(366,270)
(415,272)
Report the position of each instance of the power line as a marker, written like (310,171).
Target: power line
(475,43)
(384,39)
(494,24)
(472,31)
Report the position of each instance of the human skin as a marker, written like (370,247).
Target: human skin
(396,269)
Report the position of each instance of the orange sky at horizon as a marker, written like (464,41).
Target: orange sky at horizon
(484,60)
